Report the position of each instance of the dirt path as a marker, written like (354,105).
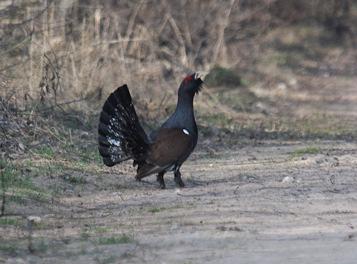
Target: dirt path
(269,203)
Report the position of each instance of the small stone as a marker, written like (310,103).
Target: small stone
(281,86)
(292,82)
(288,179)
(252,158)
(235,228)
(221,228)
(34,219)
(21,146)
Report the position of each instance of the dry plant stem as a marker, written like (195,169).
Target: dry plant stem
(180,39)
(220,47)
(131,24)
(29,236)
(38,15)
(70,136)
(187,31)
(3,191)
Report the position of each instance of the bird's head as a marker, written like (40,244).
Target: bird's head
(191,84)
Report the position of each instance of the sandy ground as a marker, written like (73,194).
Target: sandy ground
(268,203)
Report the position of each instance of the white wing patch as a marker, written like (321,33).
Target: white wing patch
(185,131)
(113,141)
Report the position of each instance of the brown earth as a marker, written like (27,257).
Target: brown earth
(268,203)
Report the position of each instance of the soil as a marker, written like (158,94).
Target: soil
(268,203)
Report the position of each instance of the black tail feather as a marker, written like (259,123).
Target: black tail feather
(121,136)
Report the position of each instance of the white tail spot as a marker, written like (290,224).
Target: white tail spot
(113,142)
(185,131)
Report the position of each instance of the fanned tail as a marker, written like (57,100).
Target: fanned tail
(121,136)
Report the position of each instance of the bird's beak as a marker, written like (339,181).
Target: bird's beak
(197,78)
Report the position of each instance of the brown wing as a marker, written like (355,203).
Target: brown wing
(171,145)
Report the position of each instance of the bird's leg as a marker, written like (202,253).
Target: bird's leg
(138,178)
(139,170)
(178,179)
(160,179)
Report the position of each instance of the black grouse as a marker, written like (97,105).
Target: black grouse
(121,137)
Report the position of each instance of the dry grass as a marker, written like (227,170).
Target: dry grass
(77,51)
(65,57)
(69,50)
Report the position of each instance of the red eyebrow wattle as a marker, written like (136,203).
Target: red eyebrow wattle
(188,78)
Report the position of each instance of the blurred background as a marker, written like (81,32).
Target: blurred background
(274,68)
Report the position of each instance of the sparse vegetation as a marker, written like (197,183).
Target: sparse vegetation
(8,248)
(45,152)
(40,246)
(85,236)
(306,151)
(219,76)
(75,179)
(102,229)
(18,187)
(156,210)
(122,239)
(106,260)
(9,221)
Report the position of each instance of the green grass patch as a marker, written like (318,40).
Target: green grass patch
(18,186)
(122,239)
(106,260)
(305,151)
(45,152)
(161,209)
(6,221)
(36,170)
(83,155)
(238,99)
(85,236)
(156,210)
(75,179)
(8,248)
(220,76)
(11,177)
(217,120)
(19,195)
(102,229)
(90,156)
(40,246)
(8,173)
(41,225)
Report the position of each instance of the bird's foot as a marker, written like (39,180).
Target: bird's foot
(137,178)
(178,179)
(162,186)
(160,179)
(179,182)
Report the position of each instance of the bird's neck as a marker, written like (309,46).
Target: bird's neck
(184,112)
(185,102)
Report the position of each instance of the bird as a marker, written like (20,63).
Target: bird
(121,136)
